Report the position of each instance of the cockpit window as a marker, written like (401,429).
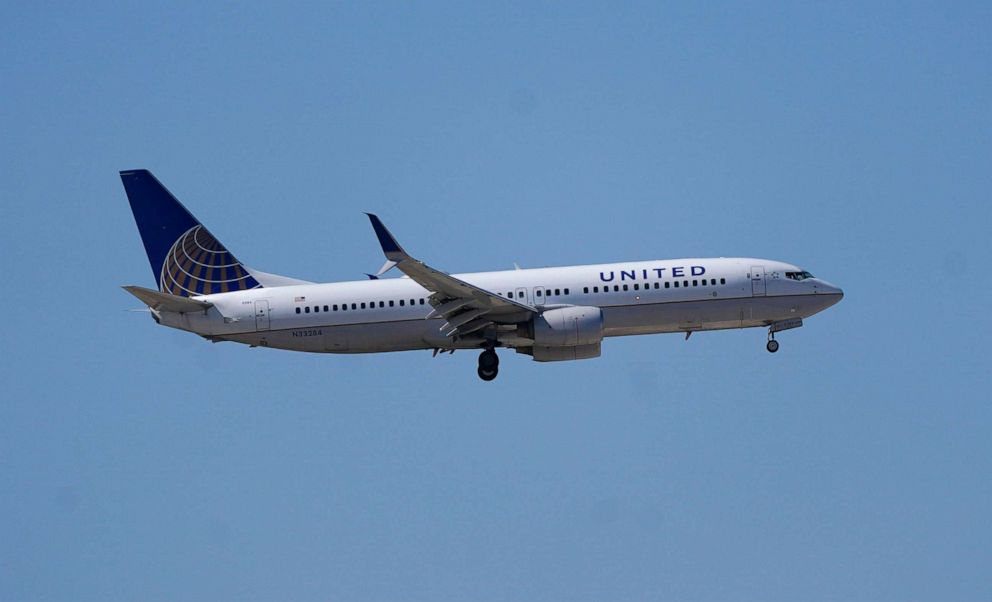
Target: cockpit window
(798,275)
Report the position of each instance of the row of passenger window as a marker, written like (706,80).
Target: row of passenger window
(547,292)
(538,292)
(356,306)
(657,285)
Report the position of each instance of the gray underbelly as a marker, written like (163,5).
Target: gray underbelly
(345,338)
(710,314)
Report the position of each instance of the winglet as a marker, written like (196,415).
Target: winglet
(392,249)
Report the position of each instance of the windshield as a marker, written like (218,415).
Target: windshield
(798,275)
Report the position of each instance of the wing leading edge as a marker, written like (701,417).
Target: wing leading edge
(466,307)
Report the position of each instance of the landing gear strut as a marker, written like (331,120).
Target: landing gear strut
(488,364)
(772,345)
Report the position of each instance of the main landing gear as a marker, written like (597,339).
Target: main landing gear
(488,364)
(772,345)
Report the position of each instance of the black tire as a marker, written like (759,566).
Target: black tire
(488,360)
(487,375)
(772,346)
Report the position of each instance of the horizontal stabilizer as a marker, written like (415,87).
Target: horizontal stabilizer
(165,302)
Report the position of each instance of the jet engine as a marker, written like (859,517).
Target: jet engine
(566,333)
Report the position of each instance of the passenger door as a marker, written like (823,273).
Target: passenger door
(758,281)
(521,295)
(539,295)
(261,315)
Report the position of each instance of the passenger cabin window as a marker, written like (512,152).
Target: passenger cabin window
(297,310)
(306,309)
(668,284)
(723,281)
(325,308)
(585,289)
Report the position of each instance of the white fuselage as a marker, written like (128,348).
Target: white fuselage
(682,295)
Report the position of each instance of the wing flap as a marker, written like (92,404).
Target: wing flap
(469,327)
(448,308)
(453,324)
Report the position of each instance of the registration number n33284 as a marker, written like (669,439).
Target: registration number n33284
(309,332)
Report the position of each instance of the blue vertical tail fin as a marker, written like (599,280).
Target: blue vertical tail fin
(186,258)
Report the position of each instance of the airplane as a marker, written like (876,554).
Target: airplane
(550,314)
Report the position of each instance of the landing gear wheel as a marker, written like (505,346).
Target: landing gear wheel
(487,375)
(488,360)
(772,346)
(488,364)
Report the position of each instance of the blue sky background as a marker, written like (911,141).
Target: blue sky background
(853,139)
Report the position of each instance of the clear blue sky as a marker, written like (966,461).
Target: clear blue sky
(855,140)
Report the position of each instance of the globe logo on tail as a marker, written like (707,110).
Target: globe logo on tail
(197,264)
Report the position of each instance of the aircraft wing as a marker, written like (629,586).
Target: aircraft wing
(466,307)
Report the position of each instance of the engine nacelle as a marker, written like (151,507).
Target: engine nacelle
(564,354)
(572,326)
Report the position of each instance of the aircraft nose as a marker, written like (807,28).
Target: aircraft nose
(827,288)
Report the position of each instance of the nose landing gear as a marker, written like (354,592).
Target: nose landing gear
(488,364)
(774,327)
